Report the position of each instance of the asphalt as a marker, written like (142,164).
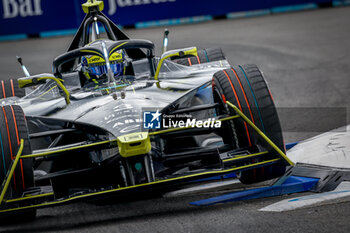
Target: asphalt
(305,57)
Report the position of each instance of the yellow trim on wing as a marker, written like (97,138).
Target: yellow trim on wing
(245,156)
(29,197)
(11,171)
(218,172)
(251,124)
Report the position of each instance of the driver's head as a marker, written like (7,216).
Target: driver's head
(96,66)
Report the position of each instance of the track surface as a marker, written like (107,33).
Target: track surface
(305,57)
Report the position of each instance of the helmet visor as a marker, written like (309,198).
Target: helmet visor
(100,67)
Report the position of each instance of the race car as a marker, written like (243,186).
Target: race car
(113,119)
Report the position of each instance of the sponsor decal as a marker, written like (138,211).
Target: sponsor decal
(22,8)
(114,4)
(152,120)
(157,120)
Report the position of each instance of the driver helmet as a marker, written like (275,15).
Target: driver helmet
(95,66)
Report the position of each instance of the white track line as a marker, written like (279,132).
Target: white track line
(343,190)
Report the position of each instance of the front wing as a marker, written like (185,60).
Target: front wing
(46,198)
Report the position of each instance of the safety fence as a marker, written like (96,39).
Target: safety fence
(22,18)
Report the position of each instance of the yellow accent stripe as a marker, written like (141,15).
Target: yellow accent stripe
(246,119)
(47,91)
(59,83)
(245,156)
(11,171)
(161,63)
(29,197)
(87,75)
(115,48)
(92,51)
(192,52)
(141,185)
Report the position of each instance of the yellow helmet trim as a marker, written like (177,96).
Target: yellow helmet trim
(95,59)
(115,57)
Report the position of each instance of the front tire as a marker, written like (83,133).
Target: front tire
(245,87)
(13,128)
(10,88)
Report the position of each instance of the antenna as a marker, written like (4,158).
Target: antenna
(165,40)
(25,71)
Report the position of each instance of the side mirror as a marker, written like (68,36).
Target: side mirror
(175,53)
(41,79)
(30,81)
(180,53)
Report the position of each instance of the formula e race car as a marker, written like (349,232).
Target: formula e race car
(113,120)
